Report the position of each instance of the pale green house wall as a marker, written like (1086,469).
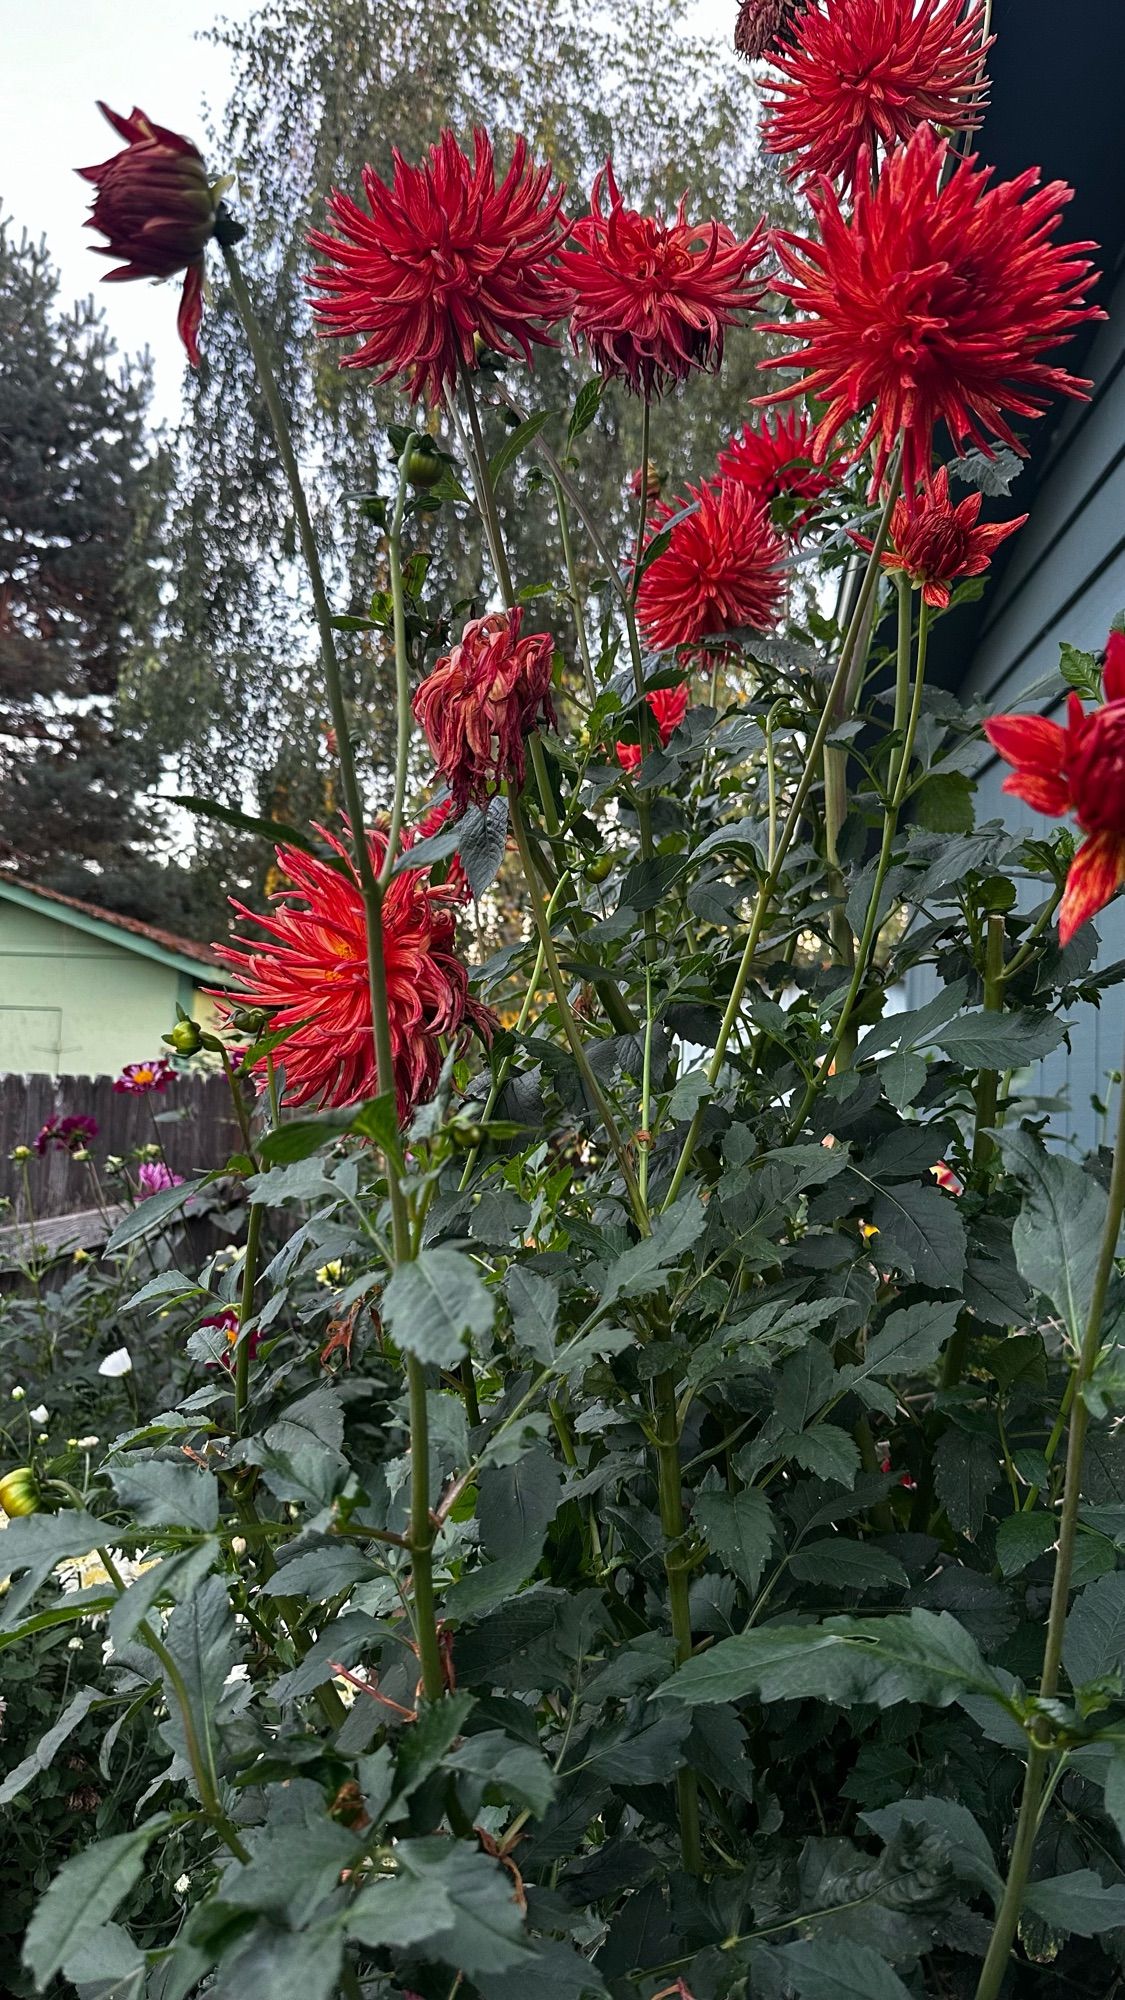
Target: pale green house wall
(75,1003)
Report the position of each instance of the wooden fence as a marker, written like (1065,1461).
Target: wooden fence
(192,1119)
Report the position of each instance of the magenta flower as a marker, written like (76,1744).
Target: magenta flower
(139,1077)
(69,1134)
(153,1177)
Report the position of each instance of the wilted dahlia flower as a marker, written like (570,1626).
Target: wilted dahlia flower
(860,76)
(311,975)
(442,255)
(155,206)
(480,703)
(1078,769)
(721,569)
(934,302)
(652,298)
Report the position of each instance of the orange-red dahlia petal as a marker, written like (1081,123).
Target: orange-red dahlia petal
(310,974)
(1094,876)
(934,301)
(937,543)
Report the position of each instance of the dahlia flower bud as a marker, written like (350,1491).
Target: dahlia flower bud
(19,1492)
(649,477)
(482,701)
(155,206)
(186,1037)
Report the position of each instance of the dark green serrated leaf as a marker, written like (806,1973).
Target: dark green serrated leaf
(432,1303)
(739,1528)
(84,1895)
(167,1493)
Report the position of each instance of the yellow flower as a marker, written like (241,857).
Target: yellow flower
(330,1274)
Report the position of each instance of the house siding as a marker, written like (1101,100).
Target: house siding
(72,1004)
(1065,581)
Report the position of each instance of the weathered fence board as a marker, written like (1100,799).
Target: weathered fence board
(200,1134)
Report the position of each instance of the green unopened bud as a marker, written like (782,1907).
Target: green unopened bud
(249,1021)
(186,1038)
(598,869)
(19,1492)
(423,465)
(20,1153)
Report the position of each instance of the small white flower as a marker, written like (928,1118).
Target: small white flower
(238,1545)
(43,1436)
(18,1395)
(182,1884)
(39,1414)
(120,1362)
(236,1675)
(74,1645)
(84,1444)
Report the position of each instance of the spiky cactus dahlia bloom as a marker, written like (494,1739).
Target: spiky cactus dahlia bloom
(937,543)
(442,255)
(934,302)
(482,700)
(653,299)
(861,75)
(1079,768)
(774,459)
(720,571)
(155,206)
(311,976)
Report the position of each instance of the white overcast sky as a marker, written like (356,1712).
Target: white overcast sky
(57,59)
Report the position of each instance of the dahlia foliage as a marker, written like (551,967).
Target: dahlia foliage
(629,1502)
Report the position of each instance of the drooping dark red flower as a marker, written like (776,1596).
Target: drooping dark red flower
(937,543)
(139,1077)
(155,206)
(1079,768)
(774,459)
(653,299)
(446,253)
(226,1324)
(720,571)
(862,75)
(669,707)
(311,976)
(480,703)
(764,27)
(71,1134)
(933,303)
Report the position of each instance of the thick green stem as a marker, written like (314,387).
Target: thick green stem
(245,1311)
(669,1479)
(996,1962)
(786,837)
(985,1096)
(906,725)
(372,888)
(422,1534)
(570,1026)
(576,602)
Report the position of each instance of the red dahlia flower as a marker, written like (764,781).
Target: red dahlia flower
(654,298)
(933,304)
(721,569)
(936,542)
(764,26)
(773,458)
(72,1134)
(311,975)
(669,707)
(1078,769)
(480,703)
(155,205)
(862,75)
(445,254)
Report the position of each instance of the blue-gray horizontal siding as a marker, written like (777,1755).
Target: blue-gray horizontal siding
(1065,582)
